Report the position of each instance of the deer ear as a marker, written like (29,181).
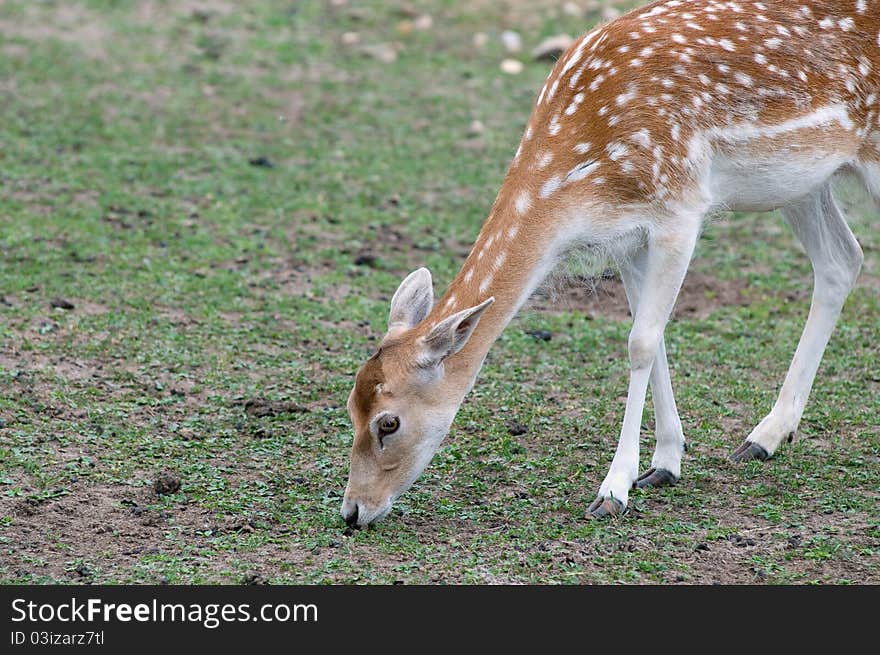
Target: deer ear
(412,301)
(452,333)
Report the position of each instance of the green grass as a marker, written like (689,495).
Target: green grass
(200,280)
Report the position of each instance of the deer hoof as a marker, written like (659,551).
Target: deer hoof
(748,451)
(655,478)
(604,507)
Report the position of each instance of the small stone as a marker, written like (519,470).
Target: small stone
(366,259)
(552,47)
(476,128)
(351,38)
(572,9)
(405,27)
(701,547)
(540,335)
(423,22)
(382,52)
(480,40)
(512,41)
(61,303)
(167,483)
(516,429)
(511,66)
(261,162)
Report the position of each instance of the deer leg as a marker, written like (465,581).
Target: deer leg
(836,258)
(666,463)
(666,262)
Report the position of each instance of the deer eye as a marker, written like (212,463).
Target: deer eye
(388,425)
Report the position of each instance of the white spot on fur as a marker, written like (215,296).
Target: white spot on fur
(469,275)
(581,171)
(550,186)
(678,38)
(582,148)
(727,44)
(544,160)
(523,202)
(846,24)
(631,94)
(553,90)
(484,285)
(616,150)
(578,99)
(642,138)
(742,78)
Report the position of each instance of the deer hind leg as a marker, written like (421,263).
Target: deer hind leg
(666,262)
(666,463)
(836,257)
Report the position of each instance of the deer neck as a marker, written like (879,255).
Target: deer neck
(509,259)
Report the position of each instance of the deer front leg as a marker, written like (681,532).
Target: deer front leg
(666,261)
(666,463)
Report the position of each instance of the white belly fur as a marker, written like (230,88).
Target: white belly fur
(763,167)
(742,183)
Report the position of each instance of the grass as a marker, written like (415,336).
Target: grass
(199,179)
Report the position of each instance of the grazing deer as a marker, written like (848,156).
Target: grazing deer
(644,127)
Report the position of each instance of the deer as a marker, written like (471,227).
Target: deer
(645,127)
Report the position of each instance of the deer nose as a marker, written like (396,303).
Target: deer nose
(350,514)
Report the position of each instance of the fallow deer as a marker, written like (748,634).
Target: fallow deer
(645,126)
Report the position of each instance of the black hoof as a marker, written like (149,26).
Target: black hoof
(748,451)
(655,478)
(603,507)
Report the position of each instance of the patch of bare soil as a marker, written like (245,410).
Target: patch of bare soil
(67,22)
(103,531)
(700,295)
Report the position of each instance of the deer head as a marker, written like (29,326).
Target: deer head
(404,399)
